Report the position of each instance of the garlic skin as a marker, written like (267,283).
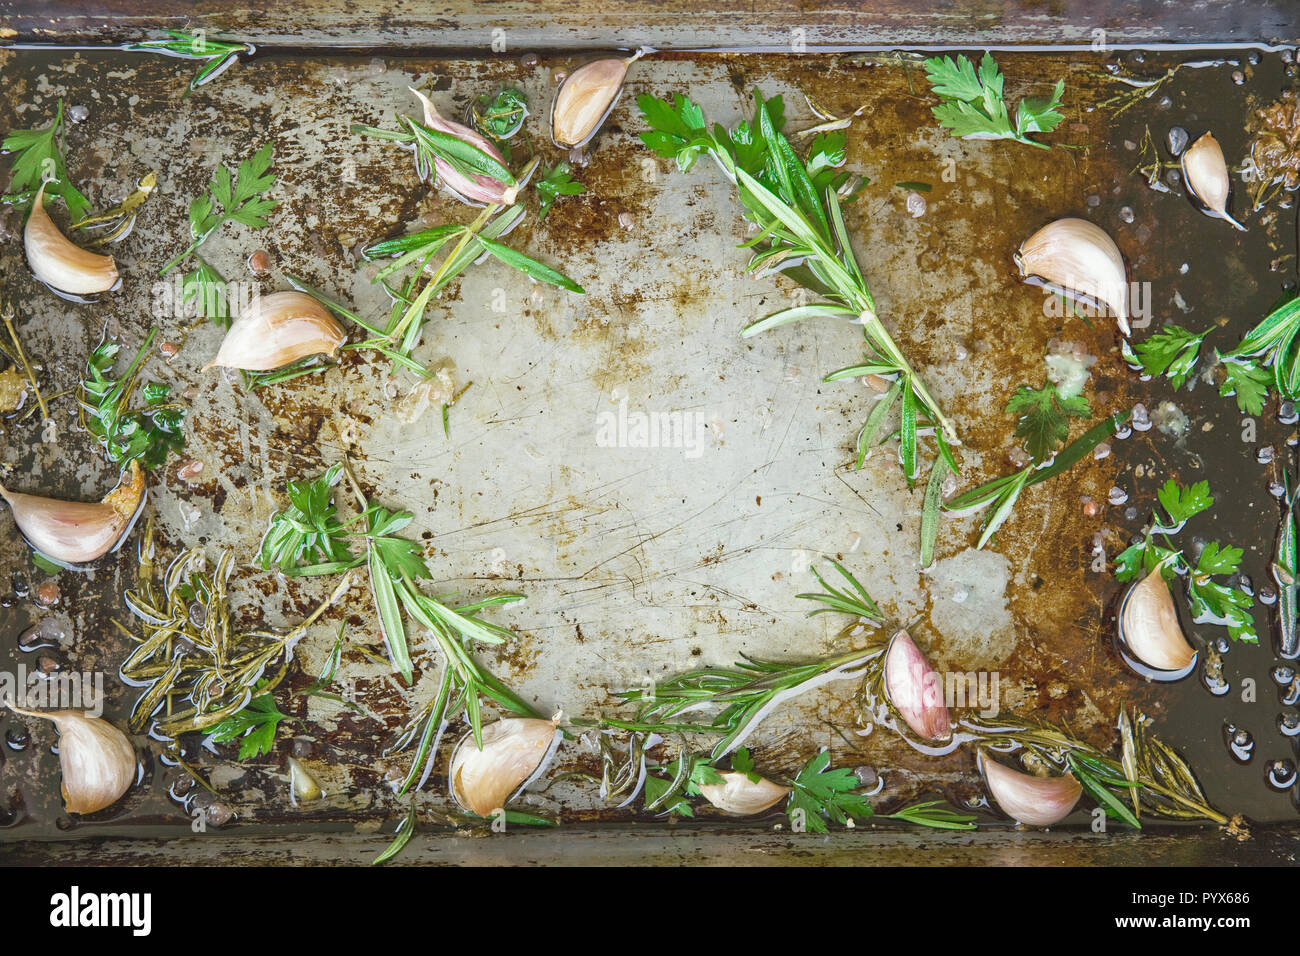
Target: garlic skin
(472,189)
(1206,174)
(97,759)
(1033,801)
(277,330)
(586,98)
(1149,628)
(303,785)
(739,796)
(77,532)
(1078,256)
(58,262)
(915,690)
(483,781)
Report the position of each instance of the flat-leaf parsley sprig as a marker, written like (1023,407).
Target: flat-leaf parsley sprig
(795,204)
(37,155)
(241,199)
(1211,601)
(973,105)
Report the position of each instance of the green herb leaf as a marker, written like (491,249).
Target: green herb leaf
(241,199)
(973,106)
(1173,351)
(822,793)
(37,156)
(555,184)
(255,727)
(1044,418)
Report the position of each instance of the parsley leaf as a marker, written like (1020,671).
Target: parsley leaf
(1043,418)
(239,199)
(37,156)
(146,434)
(973,106)
(555,184)
(307,538)
(1248,382)
(256,724)
(1182,503)
(207,287)
(1173,351)
(819,792)
(1216,559)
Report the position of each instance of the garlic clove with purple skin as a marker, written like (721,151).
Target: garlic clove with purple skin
(1033,801)
(514,750)
(476,188)
(914,689)
(740,796)
(97,760)
(1079,257)
(1206,174)
(1149,628)
(277,330)
(60,263)
(586,98)
(77,532)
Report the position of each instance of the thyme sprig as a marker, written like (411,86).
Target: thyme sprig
(795,204)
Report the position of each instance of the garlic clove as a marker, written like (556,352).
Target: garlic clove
(97,759)
(1078,257)
(1206,174)
(277,330)
(1149,628)
(740,796)
(470,188)
(58,262)
(915,690)
(303,785)
(1033,801)
(586,98)
(483,781)
(76,532)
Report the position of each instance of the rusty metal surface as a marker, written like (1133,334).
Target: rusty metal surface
(676,24)
(638,563)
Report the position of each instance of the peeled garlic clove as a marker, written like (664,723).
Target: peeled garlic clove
(1033,801)
(58,262)
(915,690)
(740,796)
(483,781)
(1077,256)
(304,786)
(97,759)
(476,188)
(77,532)
(1206,175)
(1149,628)
(277,330)
(585,98)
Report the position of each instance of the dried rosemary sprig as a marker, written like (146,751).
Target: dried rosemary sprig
(195,666)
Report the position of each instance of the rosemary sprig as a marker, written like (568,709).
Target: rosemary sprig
(795,204)
(309,539)
(241,199)
(219,55)
(146,434)
(1274,342)
(1149,774)
(1003,493)
(1286,572)
(195,668)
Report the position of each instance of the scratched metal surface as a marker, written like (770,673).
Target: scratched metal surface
(637,562)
